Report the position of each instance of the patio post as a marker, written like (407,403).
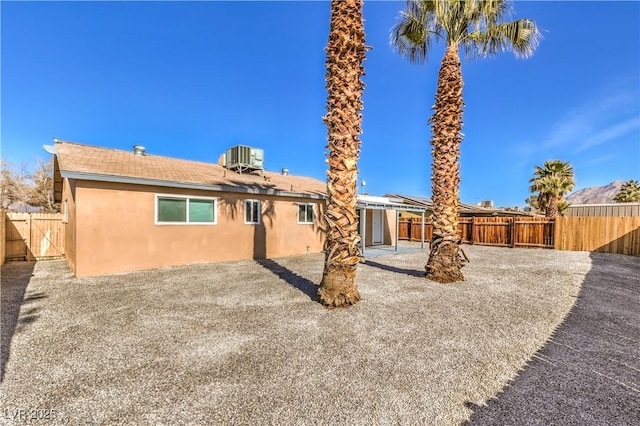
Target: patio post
(363,227)
(397,226)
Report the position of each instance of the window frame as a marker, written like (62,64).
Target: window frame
(259,218)
(157,198)
(313,213)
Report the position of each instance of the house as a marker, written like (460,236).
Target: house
(126,211)
(129,210)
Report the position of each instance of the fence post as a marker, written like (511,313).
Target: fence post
(29,238)
(512,231)
(471,230)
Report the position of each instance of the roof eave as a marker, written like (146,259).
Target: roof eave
(187,185)
(389,206)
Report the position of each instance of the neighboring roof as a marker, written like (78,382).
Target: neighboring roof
(85,162)
(604,205)
(386,203)
(464,208)
(608,209)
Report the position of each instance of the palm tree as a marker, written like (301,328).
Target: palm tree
(475,26)
(345,55)
(533,203)
(551,181)
(629,192)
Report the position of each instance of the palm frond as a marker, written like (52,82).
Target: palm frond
(492,12)
(412,35)
(476,25)
(554,178)
(521,36)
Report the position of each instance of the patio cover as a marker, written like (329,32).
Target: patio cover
(368,202)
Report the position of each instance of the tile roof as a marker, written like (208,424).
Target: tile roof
(96,163)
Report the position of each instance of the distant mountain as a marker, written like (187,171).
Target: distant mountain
(596,194)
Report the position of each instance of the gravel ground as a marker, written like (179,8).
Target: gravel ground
(246,343)
(589,372)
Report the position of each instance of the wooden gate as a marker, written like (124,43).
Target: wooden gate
(34,236)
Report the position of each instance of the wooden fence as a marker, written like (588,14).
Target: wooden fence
(3,239)
(490,231)
(410,229)
(34,236)
(600,234)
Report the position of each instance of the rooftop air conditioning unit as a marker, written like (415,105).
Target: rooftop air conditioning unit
(486,203)
(244,158)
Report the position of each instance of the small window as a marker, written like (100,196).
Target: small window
(252,211)
(305,213)
(172,209)
(177,210)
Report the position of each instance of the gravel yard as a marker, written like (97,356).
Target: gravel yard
(246,343)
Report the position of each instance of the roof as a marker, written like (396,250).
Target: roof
(608,209)
(464,208)
(85,162)
(386,203)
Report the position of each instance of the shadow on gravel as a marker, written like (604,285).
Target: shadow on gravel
(15,279)
(410,272)
(301,283)
(587,373)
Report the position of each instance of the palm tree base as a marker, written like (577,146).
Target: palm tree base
(338,288)
(445,262)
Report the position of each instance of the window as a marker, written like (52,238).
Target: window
(175,209)
(305,213)
(252,211)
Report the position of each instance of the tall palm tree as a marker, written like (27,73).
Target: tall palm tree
(476,27)
(629,192)
(345,55)
(551,181)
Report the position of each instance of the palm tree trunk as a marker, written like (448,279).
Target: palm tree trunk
(345,55)
(445,260)
(552,208)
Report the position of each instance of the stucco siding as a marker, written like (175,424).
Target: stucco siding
(116,230)
(390,227)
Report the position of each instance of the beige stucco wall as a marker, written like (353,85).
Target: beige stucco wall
(115,230)
(388,227)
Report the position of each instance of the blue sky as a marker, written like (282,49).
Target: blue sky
(189,80)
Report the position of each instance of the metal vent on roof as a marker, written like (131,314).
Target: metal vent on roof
(139,150)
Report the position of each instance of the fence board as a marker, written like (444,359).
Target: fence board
(3,237)
(491,231)
(601,234)
(34,236)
